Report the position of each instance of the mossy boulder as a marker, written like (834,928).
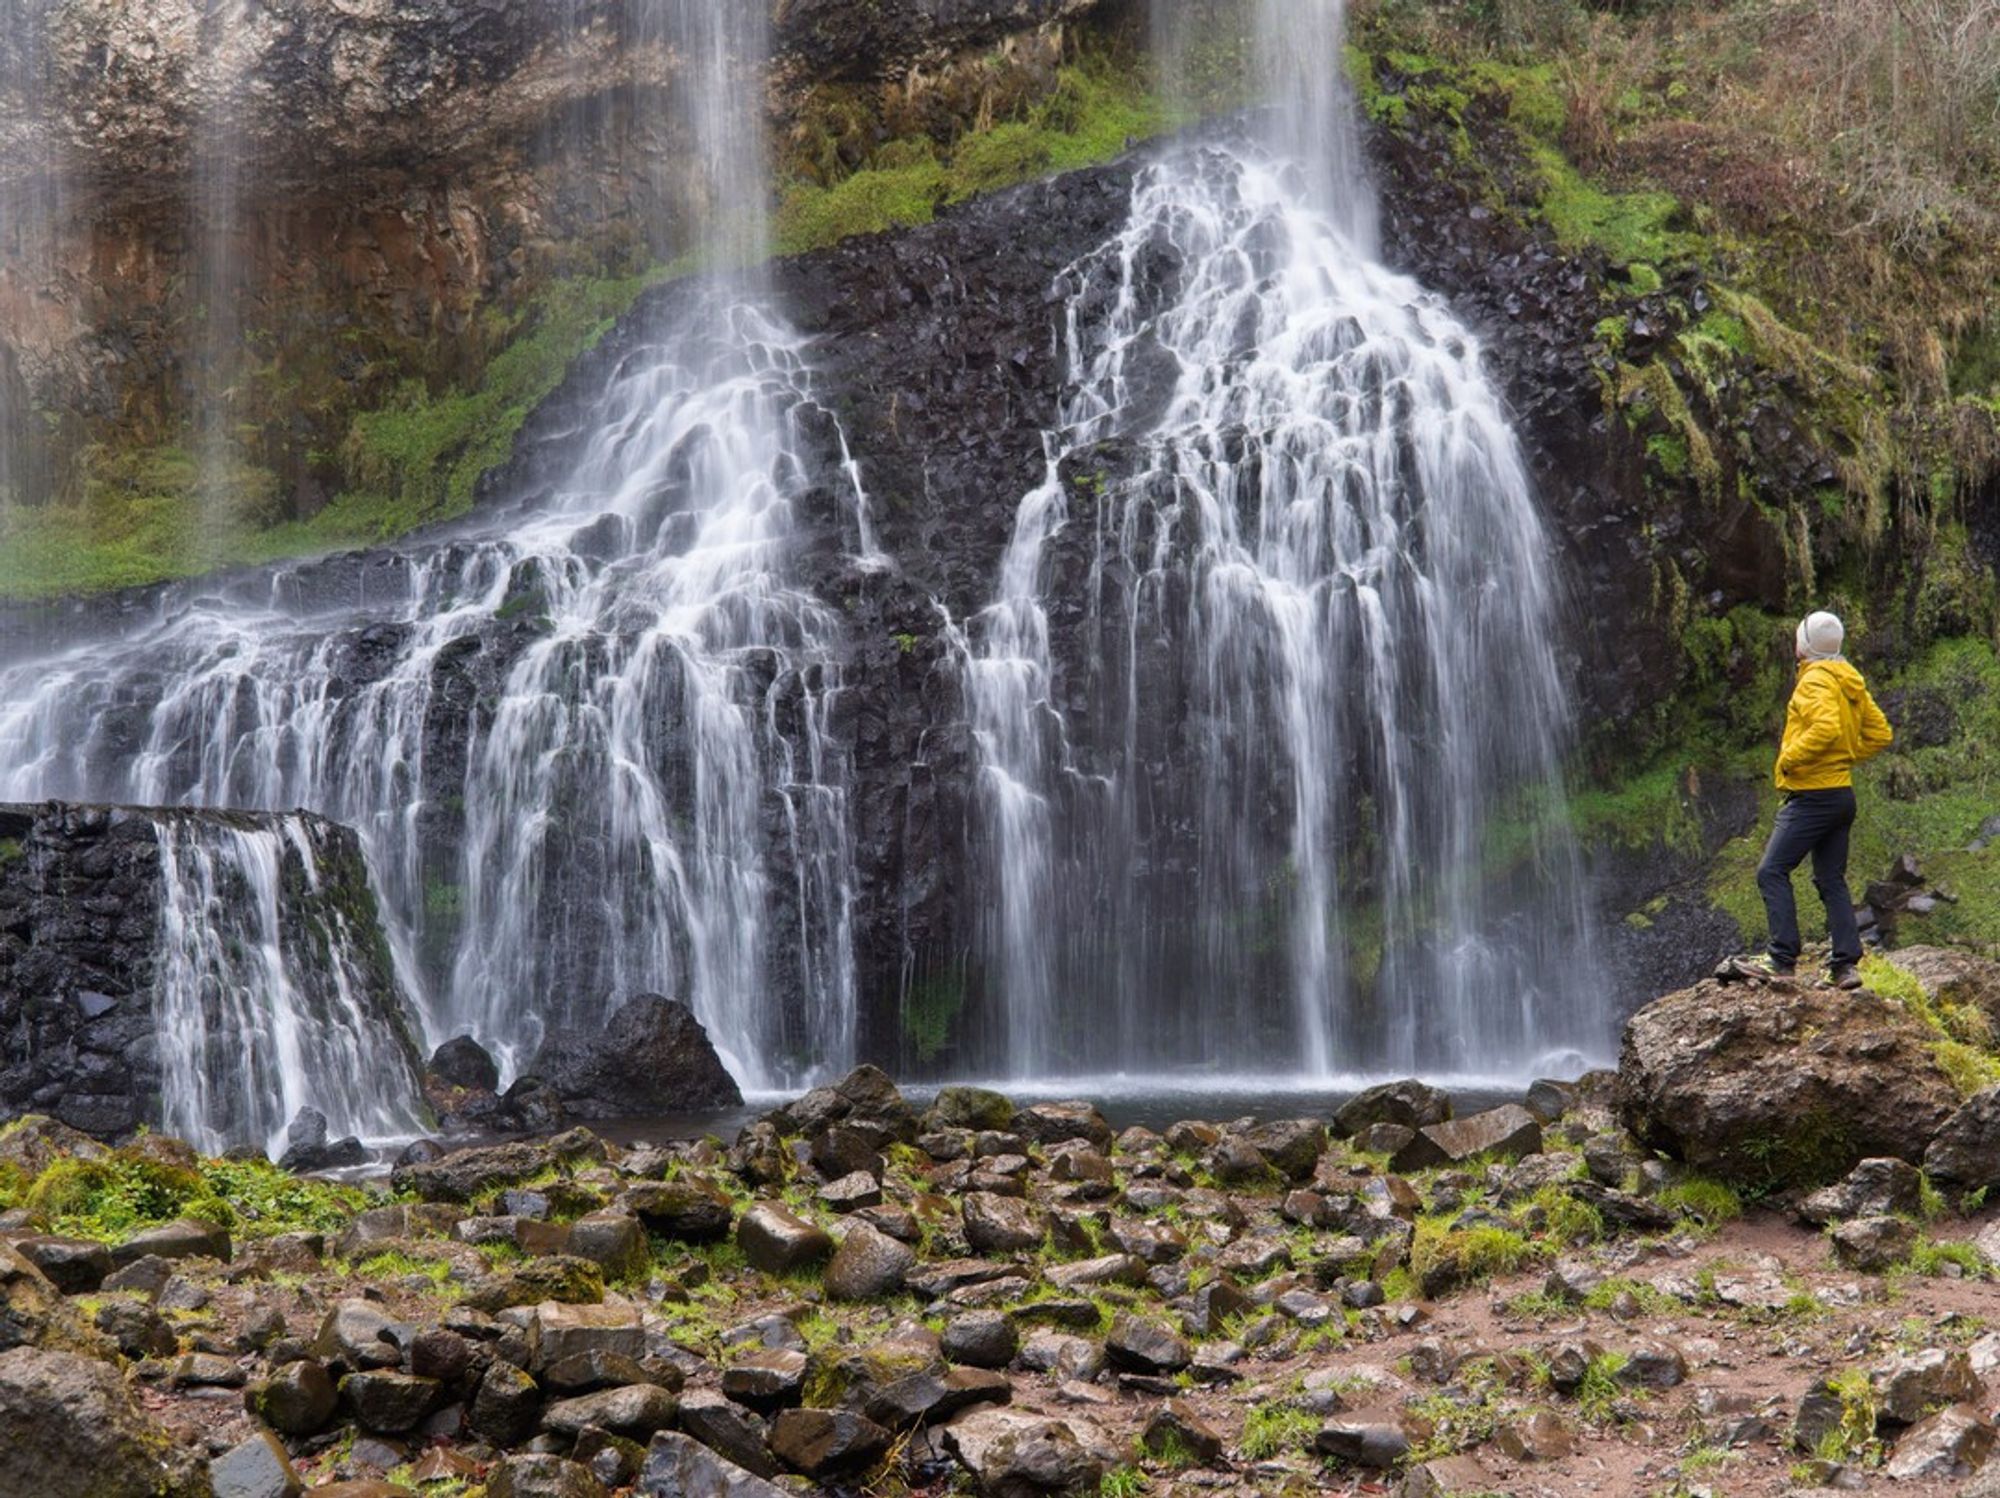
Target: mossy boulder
(69,1428)
(1781,1084)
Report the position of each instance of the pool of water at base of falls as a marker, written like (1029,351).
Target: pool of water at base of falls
(1151,1102)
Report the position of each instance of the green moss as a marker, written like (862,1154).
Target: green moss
(1853,1440)
(1562,1217)
(398,1265)
(1095,110)
(150,514)
(1669,453)
(1642,279)
(930,1010)
(124,1193)
(1629,228)
(424,451)
(1649,396)
(1963,1036)
(1815,1150)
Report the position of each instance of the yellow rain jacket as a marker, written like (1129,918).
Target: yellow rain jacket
(1831,726)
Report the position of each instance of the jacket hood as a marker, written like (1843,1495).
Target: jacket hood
(1844,676)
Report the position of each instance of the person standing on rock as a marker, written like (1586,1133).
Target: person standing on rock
(1831,726)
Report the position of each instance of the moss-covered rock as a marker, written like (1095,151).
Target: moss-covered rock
(1784,1084)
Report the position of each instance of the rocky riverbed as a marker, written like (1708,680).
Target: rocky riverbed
(1598,1288)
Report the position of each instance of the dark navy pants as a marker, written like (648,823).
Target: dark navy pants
(1814,823)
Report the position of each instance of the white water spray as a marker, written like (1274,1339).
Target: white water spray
(1316,662)
(264,1002)
(584,738)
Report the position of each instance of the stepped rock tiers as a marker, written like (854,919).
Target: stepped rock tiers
(862,1292)
(206,971)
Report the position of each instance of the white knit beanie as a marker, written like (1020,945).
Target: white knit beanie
(1820,636)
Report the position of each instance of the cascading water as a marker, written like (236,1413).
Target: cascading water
(217,223)
(1249,797)
(263,1005)
(31,183)
(585,738)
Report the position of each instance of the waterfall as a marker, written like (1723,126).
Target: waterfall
(1270,672)
(584,735)
(263,1002)
(30,204)
(215,233)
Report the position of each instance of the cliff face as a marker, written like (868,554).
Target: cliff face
(290,210)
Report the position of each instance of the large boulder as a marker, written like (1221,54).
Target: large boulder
(69,1429)
(1782,1083)
(652,1057)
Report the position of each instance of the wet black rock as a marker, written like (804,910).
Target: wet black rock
(728,1428)
(542,1475)
(779,1241)
(298,1399)
(1966,1151)
(307,1148)
(868,1264)
(1875,1188)
(388,1403)
(1410,1104)
(507,1405)
(74,1266)
(464,1062)
(259,1467)
(651,1057)
(826,1443)
(678,1466)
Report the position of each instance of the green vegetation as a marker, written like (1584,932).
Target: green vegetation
(130,1190)
(1598,1396)
(1705,1201)
(1471,1255)
(1123,1482)
(1094,111)
(1950,1260)
(406,442)
(1964,1036)
(397,1265)
(1853,1440)
(930,1010)
(414,459)
(1277,1426)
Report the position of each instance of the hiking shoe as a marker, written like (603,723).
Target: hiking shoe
(1762,967)
(1844,975)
